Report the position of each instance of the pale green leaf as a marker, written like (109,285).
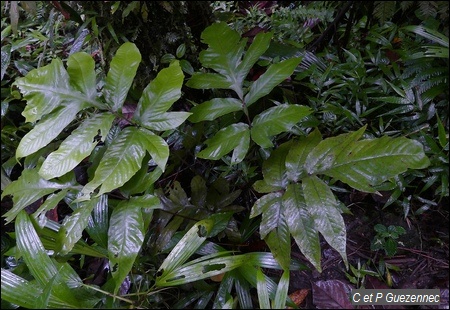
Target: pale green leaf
(121,73)
(73,225)
(210,110)
(234,137)
(47,129)
(156,146)
(125,239)
(323,207)
(208,81)
(322,157)
(165,121)
(160,94)
(121,161)
(276,120)
(26,190)
(367,163)
(263,293)
(187,246)
(298,153)
(275,74)
(81,69)
(77,146)
(301,224)
(282,292)
(5,60)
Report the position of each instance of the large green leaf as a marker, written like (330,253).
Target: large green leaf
(270,207)
(273,168)
(77,146)
(125,238)
(366,163)
(160,94)
(156,146)
(298,153)
(276,120)
(279,239)
(323,207)
(47,130)
(73,226)
(210,110)
(208,81)
(121,74)
(234,137)
(98,223)
(81,69)
(26,190)
(121,161)
(262,290)
(282,291)
(301,224)
(322,157)
(166,121)
(275,74)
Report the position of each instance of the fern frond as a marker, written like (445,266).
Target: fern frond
(384,10)
(428,8)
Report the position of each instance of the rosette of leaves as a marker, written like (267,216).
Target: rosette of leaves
(119,156)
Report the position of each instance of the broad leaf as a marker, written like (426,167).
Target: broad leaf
(160,94)
(208,81)
(47,130)
(234,137)
(121,161)
(279,240)
(156,146)
(125,238)
(263,293)
(298,153)
(274,75)
(77,146)
(210,110)
(26,190)
(166,121)
(282,291)
(323,207)
(81,69)
(276,120)
(270,207)
(273,168)
(301,224)
(322,157)
(121,74)
(73,226)
(98,223)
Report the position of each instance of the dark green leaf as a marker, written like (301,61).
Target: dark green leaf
(210,110)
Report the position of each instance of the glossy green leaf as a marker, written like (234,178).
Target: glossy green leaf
(26,190)
(121,161)
(270,207)
(77,146)
(120,76)
(323,207)
(301,224)
(5,60)
(258,47)
(210,110)
(363,164)
(160,94)
(156,146)
(276,120)
(234,138)
(73,225)
(298,153)
(275,74)
(98,222)
(81,69)
(47,130)
(273,168)
(208,81)
(263,293)
(279,239)
(166,121)
(322,157)
(125,239)
(190,242)
(282,292)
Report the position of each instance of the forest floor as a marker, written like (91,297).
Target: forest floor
(421,261)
